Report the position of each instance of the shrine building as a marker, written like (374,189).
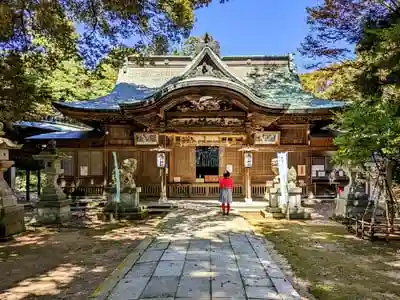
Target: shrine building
(204,109)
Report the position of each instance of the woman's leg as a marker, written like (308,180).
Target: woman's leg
(223,207)
(228,208)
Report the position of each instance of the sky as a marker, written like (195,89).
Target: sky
(256,27)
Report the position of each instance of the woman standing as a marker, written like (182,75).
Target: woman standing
(225,194)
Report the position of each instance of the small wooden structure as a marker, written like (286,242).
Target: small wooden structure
(204,109)
(377,221)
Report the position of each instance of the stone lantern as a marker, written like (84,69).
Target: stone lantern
(53,206)
(11,213)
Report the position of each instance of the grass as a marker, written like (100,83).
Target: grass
(333,263)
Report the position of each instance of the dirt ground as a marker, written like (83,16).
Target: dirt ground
(328,262)
(67,263)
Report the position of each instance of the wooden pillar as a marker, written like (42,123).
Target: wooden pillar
(39,183)
(105,161)
(309,189)
(27,184)
(247,186)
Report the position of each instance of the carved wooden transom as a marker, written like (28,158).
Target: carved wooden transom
(203,104)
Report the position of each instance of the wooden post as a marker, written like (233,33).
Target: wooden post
(27,184)
(39,183)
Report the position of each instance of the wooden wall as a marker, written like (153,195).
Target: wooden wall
(147,171)
(90,160)
(183,164)
(293,135)
(261,170)
(231,156)
(120,135)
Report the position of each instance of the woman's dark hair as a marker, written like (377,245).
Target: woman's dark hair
(227,174)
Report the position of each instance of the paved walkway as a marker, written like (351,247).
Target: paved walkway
(203,255)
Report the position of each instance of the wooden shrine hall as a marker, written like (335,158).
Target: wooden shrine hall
(204,109)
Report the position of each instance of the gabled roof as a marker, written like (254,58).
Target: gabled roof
(268,83)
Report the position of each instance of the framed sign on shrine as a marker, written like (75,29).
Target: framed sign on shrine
(146,138)
(267,138)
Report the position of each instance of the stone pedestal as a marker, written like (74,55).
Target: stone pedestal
(277,204)
(128,207)
(11,214)
(53,206)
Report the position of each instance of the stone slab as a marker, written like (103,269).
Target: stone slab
(197,268)
(129,289)
(158,245)
(227,286)
(227,269)
(195,288)
(200,245)
(274,271)
(142,270)
(169,268)
(174,255)
(252,270)
(262,292)
(257,281)
(285,288)
(151,256)
(197,255)
(161,287)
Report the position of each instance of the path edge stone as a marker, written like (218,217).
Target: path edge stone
(105,288)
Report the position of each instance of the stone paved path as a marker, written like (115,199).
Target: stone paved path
(203,255)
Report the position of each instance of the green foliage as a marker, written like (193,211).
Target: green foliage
(43,59)
(371,80)
(103,24)
(335,82)
(369,126)
(193,45)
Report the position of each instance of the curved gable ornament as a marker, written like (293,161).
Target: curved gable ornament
(206,70)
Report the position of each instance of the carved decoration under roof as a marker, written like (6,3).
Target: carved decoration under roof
(200,122)
(206,70)
(205,103)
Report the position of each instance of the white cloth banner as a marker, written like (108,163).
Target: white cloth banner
(283,177)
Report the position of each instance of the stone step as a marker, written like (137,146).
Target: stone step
(280,215)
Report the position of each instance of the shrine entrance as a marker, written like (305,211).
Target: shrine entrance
(197,161)
(207,164)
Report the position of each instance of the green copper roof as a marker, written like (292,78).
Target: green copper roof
(270,85)
(283,86)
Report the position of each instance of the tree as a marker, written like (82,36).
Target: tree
(342,22)
(335,82)
(38,38)
(194,44)
(103,24)
(371,80)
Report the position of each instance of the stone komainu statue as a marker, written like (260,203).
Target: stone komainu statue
(128,168)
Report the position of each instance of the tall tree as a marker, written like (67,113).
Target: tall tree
(334,24)
(37,37)
(194,44)
(371,80)
(102,24)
